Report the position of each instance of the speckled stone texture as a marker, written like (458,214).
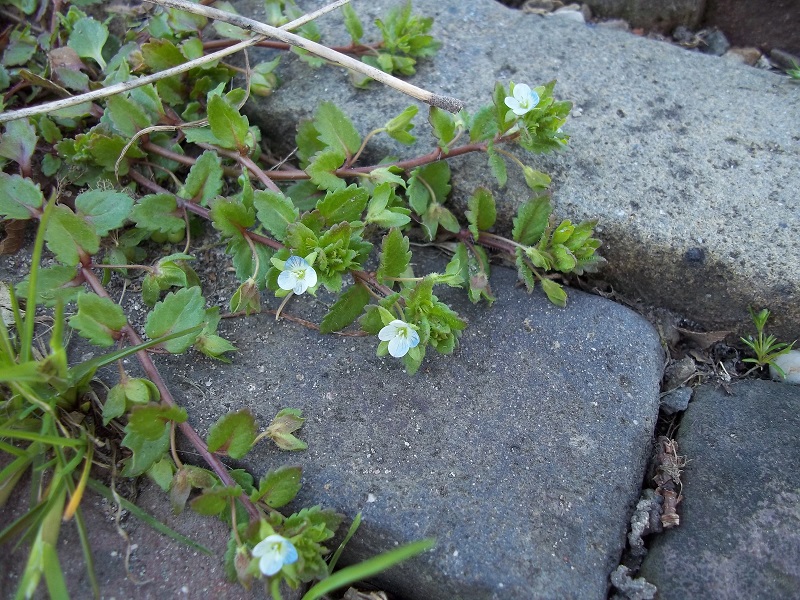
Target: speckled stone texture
(740,516)
(689,161)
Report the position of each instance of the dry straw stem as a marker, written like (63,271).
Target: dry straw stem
(134,83)
(452,105)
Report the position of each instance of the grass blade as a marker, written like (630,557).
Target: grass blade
(368,568)
(335,558)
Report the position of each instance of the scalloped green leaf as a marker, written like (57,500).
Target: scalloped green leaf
(233,434)
(69,237)
(444,126)
(279,486)
(555,293)
(104,210)
(178,311)
(230,217)
(322,169)
(275,212)
(336,130)
(98,319)
(346,309)
(395,255)
(87,38)
(20,198)
(343,205)
(158,212)
(227,125)
(204,181)
(531,220)
(482,212)
(19,142)
(126,115)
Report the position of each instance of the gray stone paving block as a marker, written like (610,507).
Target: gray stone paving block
(740,517)
(522,454)
(689,161)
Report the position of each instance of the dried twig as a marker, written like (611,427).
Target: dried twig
(134,83)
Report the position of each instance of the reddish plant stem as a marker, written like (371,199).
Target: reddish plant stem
(349,49)
(245,161)
(166,397)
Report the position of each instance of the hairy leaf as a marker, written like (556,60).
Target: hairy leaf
(204,180)
(227,125)
(322,169)
(343,205)
(531,220)
(178,311)
(346,309)
(19,197)
(104,210)
(157,212)
(69,237)
(336,130)
(482,211)
(230,217)
(444,126)
(98,319)
(279,486)
(87,38)
(18,143)
(395,255)
(275,211)
(233,434)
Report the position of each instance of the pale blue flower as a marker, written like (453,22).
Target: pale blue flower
(523,100)
(297,275)
(275,551)
(401,337)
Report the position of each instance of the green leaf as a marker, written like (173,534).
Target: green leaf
(104,210)
(555,293)
(230,217)
(161,54)
(204,181)
(151,420)
(531,220)
(69,237)
(214,346)
(563,259)
(20,49)
(98,319)
(20,198)
(497,164)
(444,126)
(275,211)
(484,124)
(127,116)
(161,473)
(336,130)
(346,309)
(158,212)
(178,311)
(343,205)
(214,501)
(280,430)
(352,23)
(435,178)
(19,142)
(400,127)
(279,486)
(482,211)
(233,434)
(88,38)
(395,255)
(322,169)
(146,452)
(227,125)
(536,180)
(54,283)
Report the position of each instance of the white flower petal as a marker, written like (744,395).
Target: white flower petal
(294,262)
(287,280)
(413,338)
(398,346)
(270,564)
(300,286)
(387,333)
(311,276)
(522,92)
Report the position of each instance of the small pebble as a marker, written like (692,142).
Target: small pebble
(714,42)
(790,363)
